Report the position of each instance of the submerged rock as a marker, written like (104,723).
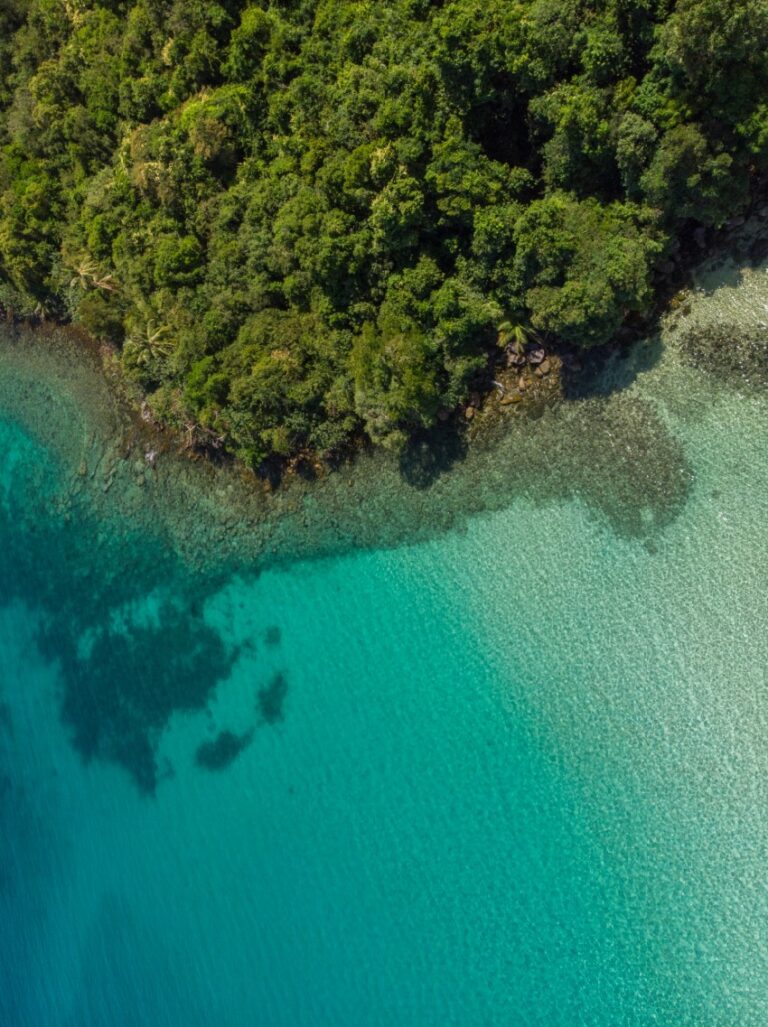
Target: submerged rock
(727,352)
(223,750)
(271,699)
(272,635)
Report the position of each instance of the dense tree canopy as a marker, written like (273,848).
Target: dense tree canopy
(303,218)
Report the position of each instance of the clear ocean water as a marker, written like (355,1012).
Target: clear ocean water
(516,774)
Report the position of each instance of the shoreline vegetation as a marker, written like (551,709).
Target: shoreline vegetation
(582,433)
(299,230)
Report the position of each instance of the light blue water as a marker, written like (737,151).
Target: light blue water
(515,775)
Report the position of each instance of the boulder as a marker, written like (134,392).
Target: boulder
(510,398)
(535,356)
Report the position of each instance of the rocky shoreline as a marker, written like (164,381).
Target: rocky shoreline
(550,427)
(542,373)
(520,381)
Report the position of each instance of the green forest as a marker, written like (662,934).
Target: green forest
(303,220)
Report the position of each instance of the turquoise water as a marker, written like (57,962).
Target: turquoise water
(516,774)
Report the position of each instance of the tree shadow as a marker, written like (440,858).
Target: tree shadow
(430,453)
(605,370)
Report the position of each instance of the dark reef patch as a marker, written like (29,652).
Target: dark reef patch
(271,699)
(732,354)
(121,676)
(272,635)
(6,719)
(613,452)
(118,700)
(223,750)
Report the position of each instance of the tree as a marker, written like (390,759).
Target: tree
(582,266)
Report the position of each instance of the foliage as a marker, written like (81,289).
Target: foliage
(300,219)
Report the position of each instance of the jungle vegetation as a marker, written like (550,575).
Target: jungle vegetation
(300,220)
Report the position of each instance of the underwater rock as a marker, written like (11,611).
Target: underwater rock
(6,720)
(271,699)
(223,750)
(272,635)
(727,352)
(119,696)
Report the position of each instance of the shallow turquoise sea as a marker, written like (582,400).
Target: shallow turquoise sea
(514,775)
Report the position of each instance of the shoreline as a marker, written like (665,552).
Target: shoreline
(522,386)
(574,434)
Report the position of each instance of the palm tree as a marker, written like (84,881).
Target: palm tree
(151,344)
(513,337)
(87,275)
(83,275)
